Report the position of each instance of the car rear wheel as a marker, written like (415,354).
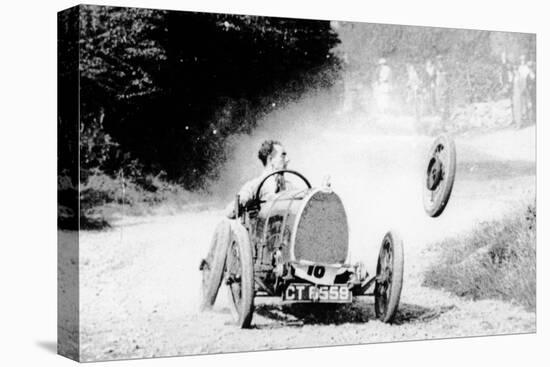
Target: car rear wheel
(389,277)
(440,175)
(212,267)
(239,276)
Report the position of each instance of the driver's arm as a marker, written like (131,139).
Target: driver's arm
(246,195)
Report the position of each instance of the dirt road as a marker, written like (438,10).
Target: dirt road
(140,280)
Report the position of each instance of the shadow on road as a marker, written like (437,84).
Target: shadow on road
(356,312)
(408,313)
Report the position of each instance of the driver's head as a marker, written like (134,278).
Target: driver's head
(273,155)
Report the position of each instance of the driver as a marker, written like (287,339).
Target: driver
(273,156)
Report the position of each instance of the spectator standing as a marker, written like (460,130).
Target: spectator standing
(413,89)
(532,92)
(383,86)
(430,85)
(506,76)
(347,81)
(442,89)
(520,95)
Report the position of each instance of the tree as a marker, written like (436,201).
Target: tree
(168,87)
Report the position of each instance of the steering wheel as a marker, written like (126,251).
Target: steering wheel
(282,171)
(255,202)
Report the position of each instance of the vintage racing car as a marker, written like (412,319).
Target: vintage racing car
(295,246)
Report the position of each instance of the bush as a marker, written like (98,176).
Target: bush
(152,91)
(497,260)
(103,196)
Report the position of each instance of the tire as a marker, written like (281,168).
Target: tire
(440,176)
(212,267)
(239,275)
(389,277)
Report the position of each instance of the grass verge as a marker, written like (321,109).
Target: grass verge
(497,260)
(103,198)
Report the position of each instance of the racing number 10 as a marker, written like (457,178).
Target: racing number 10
(316,271)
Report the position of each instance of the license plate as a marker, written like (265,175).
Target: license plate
(317,293)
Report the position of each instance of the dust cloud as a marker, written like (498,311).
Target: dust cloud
(307,128)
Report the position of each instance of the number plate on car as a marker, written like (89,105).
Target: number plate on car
(317,293)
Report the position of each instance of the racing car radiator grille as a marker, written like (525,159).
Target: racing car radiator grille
(322,231)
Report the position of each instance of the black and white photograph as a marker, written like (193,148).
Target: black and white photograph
(238,182)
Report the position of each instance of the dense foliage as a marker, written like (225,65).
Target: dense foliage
(161,90)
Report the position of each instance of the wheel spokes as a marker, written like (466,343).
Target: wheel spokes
(383,286)
(233,278)
(440,154)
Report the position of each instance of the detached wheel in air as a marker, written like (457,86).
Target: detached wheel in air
(440,175)
(389,277)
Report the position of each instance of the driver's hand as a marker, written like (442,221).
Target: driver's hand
(253,209)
